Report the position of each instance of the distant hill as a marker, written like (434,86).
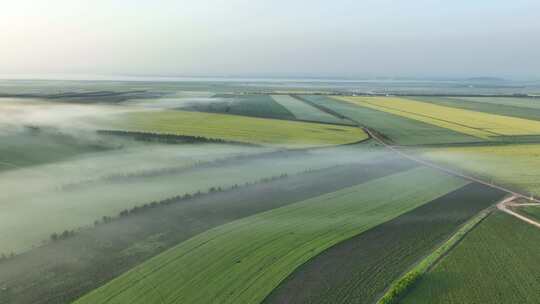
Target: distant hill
(486,79)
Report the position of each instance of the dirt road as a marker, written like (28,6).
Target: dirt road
(501,205)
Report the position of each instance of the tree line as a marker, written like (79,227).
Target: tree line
(170,138)
(175,199)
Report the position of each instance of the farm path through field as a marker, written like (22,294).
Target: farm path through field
(503,207)
(511,204)
(395,149)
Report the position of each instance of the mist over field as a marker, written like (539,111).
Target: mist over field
(16,114)
(98,178)
(259,152)
(94,175)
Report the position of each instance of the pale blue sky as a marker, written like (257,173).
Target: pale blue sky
(340,38)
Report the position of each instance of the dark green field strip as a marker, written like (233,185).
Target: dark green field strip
(62,271)
(497,262)
(358,270)
(514,140)
(486,107)
(244,260)
(394,128)
(525,139)
(246,105)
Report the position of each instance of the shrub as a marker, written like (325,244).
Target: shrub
(405,284)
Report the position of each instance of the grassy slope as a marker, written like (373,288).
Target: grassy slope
(359,269)
(496,263)
(94,256)
(517,165)
(247,105)
(399,130)
(237,128)
(243,261)
(481,125)
(304,111)
(491,105)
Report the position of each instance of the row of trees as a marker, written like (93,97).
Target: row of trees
(66,234)
(62,236)
(175,199)
(168,138)
(183,198)
(123,177)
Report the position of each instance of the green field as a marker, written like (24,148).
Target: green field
(50,209)
(394,128)
(272,132)
(531,103)
(532,212)
(95,255)
(516,165)
(247,105)
(497,262)
(232,192)
(304,111)
(243,261)
(477,124)
(359,269)
(516,107)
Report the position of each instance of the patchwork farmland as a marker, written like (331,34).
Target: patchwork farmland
(514,165)
(258,246)
(235,193)
(526,108)
(394,128)
(250,130)
(477,124)
(339,275)
(499,255)
(247,105)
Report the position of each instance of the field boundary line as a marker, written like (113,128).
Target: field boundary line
(504,208)
(323,108)
(405,282)
(514,194)
(395,149)
(434,118)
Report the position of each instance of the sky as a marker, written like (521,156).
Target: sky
(272,38)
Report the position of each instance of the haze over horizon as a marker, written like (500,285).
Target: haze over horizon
(342,39)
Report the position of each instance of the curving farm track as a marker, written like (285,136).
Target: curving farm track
(501,205)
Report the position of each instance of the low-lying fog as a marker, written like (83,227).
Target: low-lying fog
(50,186)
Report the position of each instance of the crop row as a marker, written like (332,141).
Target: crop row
(242,261)
(360,269)
(497,262)
(95,255)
